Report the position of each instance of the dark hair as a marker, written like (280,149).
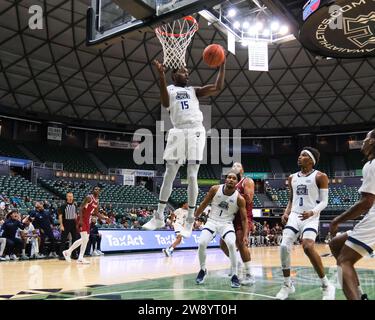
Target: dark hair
(315,153)
(10,213)
(234,172)
(182,203)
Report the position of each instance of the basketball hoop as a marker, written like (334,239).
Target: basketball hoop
(175,37)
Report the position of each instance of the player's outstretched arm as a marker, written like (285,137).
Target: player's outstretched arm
(206,201)
(360,207)
(164,96)
(213,89)
(243,213)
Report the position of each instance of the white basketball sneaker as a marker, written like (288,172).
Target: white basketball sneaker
(188,228)
(154,224)
(248,280)
(329,292)
(285,291)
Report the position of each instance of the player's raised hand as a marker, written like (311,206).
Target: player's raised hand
(284,218)
(305,215)
(159,66)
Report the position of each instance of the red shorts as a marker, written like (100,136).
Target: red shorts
(85,224)
(238,224)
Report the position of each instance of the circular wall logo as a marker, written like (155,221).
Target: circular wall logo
(341,29)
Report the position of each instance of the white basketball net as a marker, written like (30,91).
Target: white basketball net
(175,37)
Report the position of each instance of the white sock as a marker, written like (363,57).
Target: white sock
(75,245)
(160,212)
(85,240)
(171,248)
(23,252)
(247,267)
(325,282)
(190,215)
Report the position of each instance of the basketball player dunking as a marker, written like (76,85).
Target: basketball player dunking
(246,188)
(182,103)
(88,207)
(308,197)
(226,203)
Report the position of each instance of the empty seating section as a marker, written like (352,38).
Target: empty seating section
(255,163)
(179,195)
(205,172)
(74,159)
(325,164)
(289,163)
(279,196)
(343,197)
(340,197)
(115,194)
(353,160)
(10,149)
(123,159)
(257,202)
(19,188)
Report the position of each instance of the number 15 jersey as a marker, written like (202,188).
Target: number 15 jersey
(305,192)
(184,107)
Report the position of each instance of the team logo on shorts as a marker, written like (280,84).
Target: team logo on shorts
(302,190)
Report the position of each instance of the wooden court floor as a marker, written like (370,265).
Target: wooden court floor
(151,275)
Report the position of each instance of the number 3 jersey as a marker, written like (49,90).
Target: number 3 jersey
(223,207)
(184,107)
(305,192)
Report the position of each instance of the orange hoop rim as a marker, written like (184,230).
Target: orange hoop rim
(177,35)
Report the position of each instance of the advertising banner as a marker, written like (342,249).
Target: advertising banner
(133,240)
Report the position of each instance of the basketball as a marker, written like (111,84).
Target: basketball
(214,55)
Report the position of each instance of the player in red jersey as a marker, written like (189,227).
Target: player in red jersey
(88,208)
(246,188)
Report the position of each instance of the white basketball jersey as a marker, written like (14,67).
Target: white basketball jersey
(181,215)
(305,192)
(223,207)
(368,184)
(184,107)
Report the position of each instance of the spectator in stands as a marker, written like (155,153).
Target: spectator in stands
(3,211)
(336,200)
(125,224)
(279,233)
(328,238)
(3,241)
(95,239)
(10,228)
(43,221)
(30,236)
(252,233)
(136,225)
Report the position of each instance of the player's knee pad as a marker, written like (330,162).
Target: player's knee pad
(205,238)
(285,246)
(230,240)
(285,256)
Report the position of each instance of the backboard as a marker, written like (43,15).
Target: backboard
(109,21)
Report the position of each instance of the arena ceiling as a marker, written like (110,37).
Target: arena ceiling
(52,73)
